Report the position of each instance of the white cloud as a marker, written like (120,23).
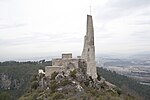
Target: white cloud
(40,27)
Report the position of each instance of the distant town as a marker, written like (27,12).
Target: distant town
(137,66)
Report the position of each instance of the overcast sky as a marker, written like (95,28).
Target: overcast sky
(34,28)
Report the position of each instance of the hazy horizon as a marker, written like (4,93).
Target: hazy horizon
(36,28)
(50,56)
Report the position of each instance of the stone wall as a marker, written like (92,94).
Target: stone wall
(65,65)
(67,56)
(50,69)
(65,62)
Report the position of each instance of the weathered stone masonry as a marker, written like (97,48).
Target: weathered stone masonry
(88,53)
(67,63)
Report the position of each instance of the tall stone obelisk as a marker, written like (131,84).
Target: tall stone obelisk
(88,53)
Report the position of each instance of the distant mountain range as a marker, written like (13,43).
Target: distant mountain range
(143,55)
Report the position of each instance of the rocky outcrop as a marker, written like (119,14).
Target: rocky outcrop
(73,85)
(7,82)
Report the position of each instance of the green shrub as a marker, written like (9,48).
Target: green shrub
(4,96)
(34,85)
(73,73)
(65,82)
(53,75)
(53,86)
(98,76)
(87,83)
(92,91)
(57,96)
(118,91)
(34,78)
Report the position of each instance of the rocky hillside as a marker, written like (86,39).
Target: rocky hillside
(33,86)
(74,85)
(127,85)
(15,77)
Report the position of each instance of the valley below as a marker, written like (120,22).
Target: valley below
(138,69)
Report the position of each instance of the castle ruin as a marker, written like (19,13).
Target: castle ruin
(88,53)
(64,64)
(67,63)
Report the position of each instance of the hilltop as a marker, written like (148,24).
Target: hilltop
(26,71)
(73,86)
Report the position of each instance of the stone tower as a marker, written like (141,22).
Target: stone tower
(88,53)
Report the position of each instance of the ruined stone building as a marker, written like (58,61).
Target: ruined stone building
(67,63)
(88,53)
(64,64)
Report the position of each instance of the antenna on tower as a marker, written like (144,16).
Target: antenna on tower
(90,9)
(90,6)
